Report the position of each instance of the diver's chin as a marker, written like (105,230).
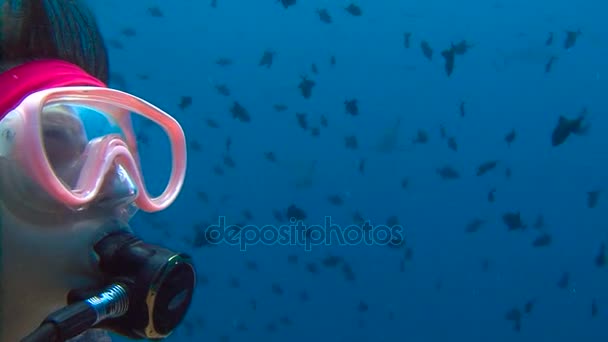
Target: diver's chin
(36,279)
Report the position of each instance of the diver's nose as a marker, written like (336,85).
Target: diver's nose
(118,189)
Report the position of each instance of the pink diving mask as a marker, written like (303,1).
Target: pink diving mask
(66,132)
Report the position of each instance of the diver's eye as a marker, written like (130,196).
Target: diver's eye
(63,135)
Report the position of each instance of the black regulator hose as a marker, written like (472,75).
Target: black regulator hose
(74,319)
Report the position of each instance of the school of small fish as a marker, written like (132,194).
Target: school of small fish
(497,175)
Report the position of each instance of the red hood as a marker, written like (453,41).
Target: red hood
(25,79)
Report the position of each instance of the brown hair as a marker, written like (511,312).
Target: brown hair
(62,29)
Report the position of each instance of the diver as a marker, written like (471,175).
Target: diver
(70,181)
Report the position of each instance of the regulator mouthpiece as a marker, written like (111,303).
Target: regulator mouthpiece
(160,282)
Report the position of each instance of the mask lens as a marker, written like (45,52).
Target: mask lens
(154,153)
(68,127)
(66,131)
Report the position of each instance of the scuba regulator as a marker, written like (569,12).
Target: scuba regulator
(150,290)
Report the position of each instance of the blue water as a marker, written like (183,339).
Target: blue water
(455,286)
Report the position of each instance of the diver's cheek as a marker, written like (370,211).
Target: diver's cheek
(41,265)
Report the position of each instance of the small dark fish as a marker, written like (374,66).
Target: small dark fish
(251,265)
(351,142)
(213,4)
(543,240)
(202,237)
(592,198)
(228,144)
(513,315)
(351,107)
(508,173)
(272,326)
(332,60)
(485,265)
(128,32)
(279,107)
(549,64)
(155,12)
(392,221)
(278,215)
(296,213)
(405,182)
(223,61)
(185,102)
(212,123)
(492,195)
(315,131)
(218,170)
(234,282)
(450,59)
(510,137)
(427,51)
(118,80)
(314,69)
(222,89)
(565,127)
(267,59)
(452,145)
(564,281)
(361,167)
(442,132)
(302,120)
(362,307)
(462,111)
(600,258)
(486,167)
(306,87)
(513,220)
(277,289)
(202,280)
(397,243)
(348,272)
(292,259)
(331,261)
(313,268)
(304,296)
(323,121)
(549,40)
(571,37)
(202,196)
(354,10)
(285,320)
(287,3)
(422,137)
(474,225)
(336,200)
(407,36)
(239,112)
(247,215)
(270,156)
(324,15)
(528,306)
(448,172)
(460,48)
(143,139)
(195,145)
(594,308)
(116,44)
(539,223)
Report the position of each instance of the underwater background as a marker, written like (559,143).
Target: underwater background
(476,129)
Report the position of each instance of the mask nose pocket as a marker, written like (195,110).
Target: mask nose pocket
(118,189)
